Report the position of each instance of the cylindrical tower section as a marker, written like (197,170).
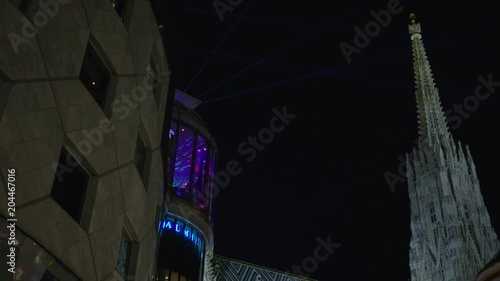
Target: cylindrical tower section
(186,230)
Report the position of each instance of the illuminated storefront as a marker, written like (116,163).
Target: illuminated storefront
(182,251)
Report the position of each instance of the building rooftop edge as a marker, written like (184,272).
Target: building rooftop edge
(187,100)
(263,267)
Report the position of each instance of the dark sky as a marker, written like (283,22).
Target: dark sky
(323,175)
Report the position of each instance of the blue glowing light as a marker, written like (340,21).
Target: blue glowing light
(167,224)
(189,234)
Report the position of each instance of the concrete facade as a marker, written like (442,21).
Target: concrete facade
(44,107)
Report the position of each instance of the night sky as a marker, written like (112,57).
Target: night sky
(323,174)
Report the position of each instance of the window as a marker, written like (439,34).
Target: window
(28,7)
(124,252)
(174,276)
(119,6)
(183,234)
(432,213)
(211,176)
(70,185)
(47,276)
(184,155)
(153,79)
(164,274)
(180,251)
(191,166)
(172,152)
(140,155)
(201,171)
(171,275)
(5,87)
(95,75)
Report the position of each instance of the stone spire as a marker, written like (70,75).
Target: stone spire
(431,117)
(451,233)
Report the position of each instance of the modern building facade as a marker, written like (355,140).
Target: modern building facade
(111,170)
(83,98)
(186,229)
(451,234)
(186,251)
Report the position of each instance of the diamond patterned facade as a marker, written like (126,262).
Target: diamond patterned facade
(232,270)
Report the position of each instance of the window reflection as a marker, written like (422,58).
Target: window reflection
(201,171)
(191,165)
(182,170)
(124,255)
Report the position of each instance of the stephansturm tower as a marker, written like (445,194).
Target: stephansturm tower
(452,237)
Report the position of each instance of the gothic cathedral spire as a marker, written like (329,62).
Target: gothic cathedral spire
(430,114)
(451,233)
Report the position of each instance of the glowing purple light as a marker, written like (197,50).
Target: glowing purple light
(204,148)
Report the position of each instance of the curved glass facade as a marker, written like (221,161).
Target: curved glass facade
(192,159)
(185,230)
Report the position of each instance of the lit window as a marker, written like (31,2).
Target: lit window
(201,172)
(183,162)
(191,165)
(172,152)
